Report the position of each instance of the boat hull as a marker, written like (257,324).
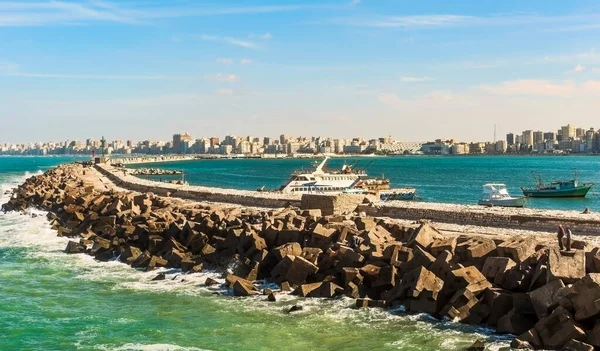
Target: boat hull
(580,191)
(514,202)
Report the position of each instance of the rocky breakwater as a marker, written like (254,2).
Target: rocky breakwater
(153,172)
(546,297)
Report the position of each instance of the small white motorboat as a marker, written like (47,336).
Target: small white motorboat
(497,195)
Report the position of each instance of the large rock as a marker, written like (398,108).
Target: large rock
(543,298)
(531,338)
(467,277)
(440,245)
(321,237)
(476,250)
(74,247)
(424,236)
(585,297)
(243,287)
(515,323)
(293,269)
(421,258)
(593,336)
(418,281)
(574,345)
(460,305)
(500,303)
(568,266)
(495,268)
(374,241)
(518,248)
(558,328)
(304,290)
(290,249)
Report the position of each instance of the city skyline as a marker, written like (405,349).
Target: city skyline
(337,68)
(566,139)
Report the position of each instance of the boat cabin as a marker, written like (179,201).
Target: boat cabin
(495,192)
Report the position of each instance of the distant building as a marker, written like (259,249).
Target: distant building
(500,146)
(510,139)
(181,143)
(549,136)
(354,149)
(568,132)
(527,138)
(538,137)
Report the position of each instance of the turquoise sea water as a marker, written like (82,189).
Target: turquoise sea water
(439,179)
(53,301)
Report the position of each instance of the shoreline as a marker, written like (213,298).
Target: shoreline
(376,261)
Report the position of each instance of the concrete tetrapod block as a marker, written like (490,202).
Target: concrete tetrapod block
(494,268)
(518,249)
(568,266)
(543,298)
(558,328)
(585,297)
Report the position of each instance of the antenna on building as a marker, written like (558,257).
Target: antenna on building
(494,132)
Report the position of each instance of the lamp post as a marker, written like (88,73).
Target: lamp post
(102,144)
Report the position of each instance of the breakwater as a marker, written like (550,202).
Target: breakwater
(149,159)
(517,218)
(198,193)
(153,172)
(518,285)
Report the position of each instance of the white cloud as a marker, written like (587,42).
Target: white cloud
(532,87)
(239,42)
(245,61)
(225,61)
(416,79)
(579,68)
(15,72)
(68,13)
(267,35)
(354,2)
(581,22)
(409,21)
(224,91)
(219,77)
(229,40)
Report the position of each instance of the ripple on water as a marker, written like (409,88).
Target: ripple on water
(110,306)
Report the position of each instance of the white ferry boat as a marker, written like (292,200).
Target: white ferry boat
(346,180)
(321,181)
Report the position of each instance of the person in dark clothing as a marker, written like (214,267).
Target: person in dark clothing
(560,235)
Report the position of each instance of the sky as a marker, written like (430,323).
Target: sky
(415,70)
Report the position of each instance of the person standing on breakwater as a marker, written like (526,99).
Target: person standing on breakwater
(568,239)
(560,235)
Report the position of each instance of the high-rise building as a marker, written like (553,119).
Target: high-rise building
(538,137)
(182,142)
(567,132)
(510,139)
(527,138)
(549,136)
(580,133)
(214,141)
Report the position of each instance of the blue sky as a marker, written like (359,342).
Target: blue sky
(413,70)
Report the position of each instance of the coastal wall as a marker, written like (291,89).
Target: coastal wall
(519,218)
(199,193)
